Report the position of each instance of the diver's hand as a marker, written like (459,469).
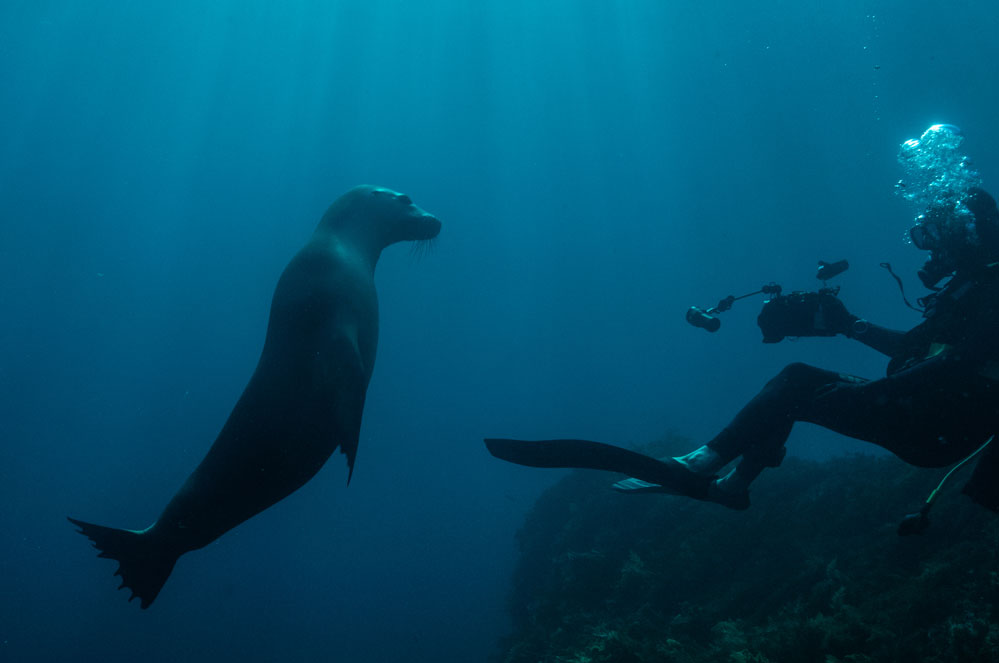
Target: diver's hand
(832,315)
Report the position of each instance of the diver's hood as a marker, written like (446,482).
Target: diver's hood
(957,244)
(983,207)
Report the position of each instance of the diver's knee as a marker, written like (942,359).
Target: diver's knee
(797,370)
(794,376)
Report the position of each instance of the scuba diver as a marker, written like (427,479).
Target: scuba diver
(937,404)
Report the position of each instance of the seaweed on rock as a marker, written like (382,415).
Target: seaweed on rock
(814,571)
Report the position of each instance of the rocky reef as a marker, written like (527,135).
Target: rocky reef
(813,571)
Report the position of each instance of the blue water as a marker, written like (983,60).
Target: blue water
(598,168)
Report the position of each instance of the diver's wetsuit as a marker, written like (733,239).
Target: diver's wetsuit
(938,403)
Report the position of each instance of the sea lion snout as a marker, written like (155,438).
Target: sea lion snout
(414,223)
(427,226)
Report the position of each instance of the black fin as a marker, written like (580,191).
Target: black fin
(598,456)
(142,563)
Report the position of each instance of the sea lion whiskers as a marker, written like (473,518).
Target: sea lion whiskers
(422,247)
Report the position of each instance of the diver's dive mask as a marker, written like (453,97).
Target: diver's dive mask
(936,231)
(964,236)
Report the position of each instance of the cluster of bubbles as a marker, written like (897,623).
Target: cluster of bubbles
(937,176)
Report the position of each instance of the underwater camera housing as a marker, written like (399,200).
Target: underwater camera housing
(794,314)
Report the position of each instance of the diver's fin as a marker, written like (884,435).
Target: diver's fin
(142,563)
(633,485)
(669,474)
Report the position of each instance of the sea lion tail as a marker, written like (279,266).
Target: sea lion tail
(143,564)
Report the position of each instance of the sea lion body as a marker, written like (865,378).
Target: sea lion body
(304,400)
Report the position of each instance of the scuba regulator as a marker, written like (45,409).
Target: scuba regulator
(794,314)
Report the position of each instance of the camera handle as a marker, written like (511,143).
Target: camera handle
(705,318)
(770,289)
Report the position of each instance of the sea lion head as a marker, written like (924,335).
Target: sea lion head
(381,215)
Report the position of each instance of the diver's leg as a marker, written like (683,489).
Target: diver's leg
(930,415)
(758,432)
(760,429)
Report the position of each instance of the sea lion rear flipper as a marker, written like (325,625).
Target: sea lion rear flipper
(668,473)
(142,563)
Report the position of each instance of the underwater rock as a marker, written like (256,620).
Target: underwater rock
(814,571)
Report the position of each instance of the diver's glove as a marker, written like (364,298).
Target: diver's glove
(832,317)
(804,314)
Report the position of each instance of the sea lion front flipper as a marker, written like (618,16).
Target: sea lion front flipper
(349,386)
(672,476)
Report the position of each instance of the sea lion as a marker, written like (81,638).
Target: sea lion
(305,397)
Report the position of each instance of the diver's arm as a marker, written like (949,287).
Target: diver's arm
(836,318)
(886,341)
